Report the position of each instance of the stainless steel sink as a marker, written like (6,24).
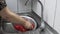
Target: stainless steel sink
(7,27)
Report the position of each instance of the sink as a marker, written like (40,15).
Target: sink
(7,27)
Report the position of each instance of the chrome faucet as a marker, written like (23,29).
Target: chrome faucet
(42,20)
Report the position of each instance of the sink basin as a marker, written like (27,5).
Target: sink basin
(7,27)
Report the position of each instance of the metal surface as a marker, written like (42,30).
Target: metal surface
(47,30)
(9,26)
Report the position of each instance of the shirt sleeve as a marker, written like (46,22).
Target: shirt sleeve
(2,4)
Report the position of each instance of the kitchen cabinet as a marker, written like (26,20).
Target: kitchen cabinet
(12,4)
(57,17)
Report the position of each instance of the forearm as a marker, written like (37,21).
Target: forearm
(6,13)
(12,17)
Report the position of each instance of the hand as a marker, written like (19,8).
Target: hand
(28,25)
(24,28)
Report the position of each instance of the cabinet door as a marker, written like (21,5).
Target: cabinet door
(49,10)
(57,17)
(12,4)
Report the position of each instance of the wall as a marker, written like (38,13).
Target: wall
(18,6)
(22,7)
(57,17)
(12,4)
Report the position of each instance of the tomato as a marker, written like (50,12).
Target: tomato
(20,28)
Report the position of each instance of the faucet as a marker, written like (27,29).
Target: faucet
(42,16)
(42,20)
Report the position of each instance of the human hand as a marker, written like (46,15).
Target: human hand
(28,25)
(24,28)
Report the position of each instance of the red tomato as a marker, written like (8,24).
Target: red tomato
(20,28)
